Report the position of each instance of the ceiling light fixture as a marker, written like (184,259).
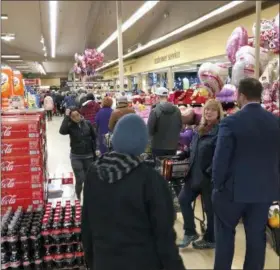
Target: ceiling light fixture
(22,67)
(145,8)
(53,25)
(6,56)
(42,40)
(4,17)
(181,29)
(8,37)
(15,60)
(45,54)
(44,48)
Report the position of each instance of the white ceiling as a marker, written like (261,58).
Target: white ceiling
(84,24)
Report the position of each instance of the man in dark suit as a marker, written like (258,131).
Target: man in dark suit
(246,177)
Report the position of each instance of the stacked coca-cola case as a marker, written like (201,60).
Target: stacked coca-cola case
(21,246)
(23,158)
(61,237)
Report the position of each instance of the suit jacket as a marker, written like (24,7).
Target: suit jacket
(247,157)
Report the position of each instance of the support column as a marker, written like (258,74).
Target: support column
(120,44)
(257,38)
(170,79)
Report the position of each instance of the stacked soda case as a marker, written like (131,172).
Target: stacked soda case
(23,158)
(61,237)
(21,246)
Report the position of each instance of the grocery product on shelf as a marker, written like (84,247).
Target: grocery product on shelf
(61,236)
(23,158)
(273,227)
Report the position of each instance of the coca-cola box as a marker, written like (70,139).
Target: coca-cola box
(17,128)
(27,112)
(20,164)
(21,197)
(18,147)
(25,180)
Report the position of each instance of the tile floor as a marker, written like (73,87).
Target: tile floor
(58,161)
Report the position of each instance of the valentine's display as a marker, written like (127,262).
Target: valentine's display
(87,63)
(241,53)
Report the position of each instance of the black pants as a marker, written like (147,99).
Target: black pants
(186,198)
(80,168)
(227,216)
(49,115)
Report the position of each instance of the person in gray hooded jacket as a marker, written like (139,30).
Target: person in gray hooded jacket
(164,124)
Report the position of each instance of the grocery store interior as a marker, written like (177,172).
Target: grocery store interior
(54,54)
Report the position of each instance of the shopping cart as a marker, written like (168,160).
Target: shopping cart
(175,172)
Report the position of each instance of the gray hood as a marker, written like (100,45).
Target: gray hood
(166,108)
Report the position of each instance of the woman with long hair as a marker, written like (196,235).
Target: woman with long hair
(102,121)
(198,181)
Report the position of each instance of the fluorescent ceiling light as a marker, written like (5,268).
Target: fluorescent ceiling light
(44,48)
(22,66)
(145,8)
(15,60)
(4,17)
(7,36)
(181,29)
(6,56)
(53,25)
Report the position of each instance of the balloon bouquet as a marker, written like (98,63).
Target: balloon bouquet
(87,63)
(241,53)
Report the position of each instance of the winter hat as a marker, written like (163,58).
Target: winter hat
(90,96)
(130,135)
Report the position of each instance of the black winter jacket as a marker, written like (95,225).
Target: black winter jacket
(128,217)
(201,154)
(82,136)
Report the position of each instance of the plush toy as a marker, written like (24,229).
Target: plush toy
(238,39)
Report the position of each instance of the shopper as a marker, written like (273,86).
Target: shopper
(102,121)
(49,106)
(69,101)
(198,180)
(127,220)
(121,110)
(90,108)
(82,144)
(59,100)
(246,177)
(165,124)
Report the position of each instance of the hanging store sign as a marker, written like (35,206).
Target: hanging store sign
(167,57)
